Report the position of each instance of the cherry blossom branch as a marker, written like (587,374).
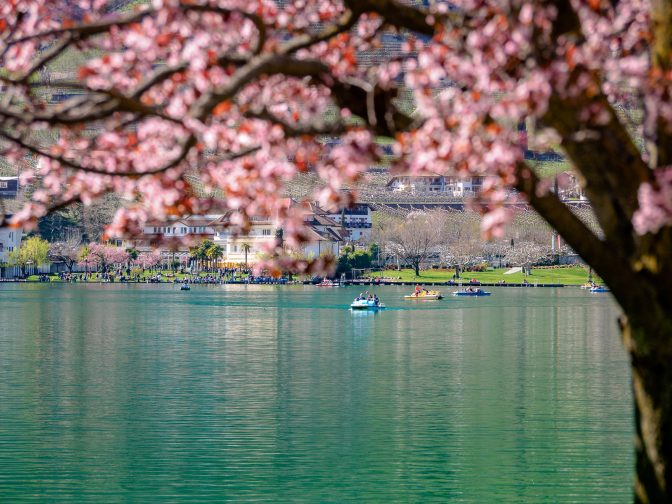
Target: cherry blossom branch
(184,150)
(85,31)
(597,142)
(347,21)
(108,103)
(258,22)
(168,71)
(53,52)
(268,64)
(396,14)
(12,31)
(296,130)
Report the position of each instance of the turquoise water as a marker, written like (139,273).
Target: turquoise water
(280,394)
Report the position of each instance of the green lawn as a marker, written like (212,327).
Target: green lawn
(576,275)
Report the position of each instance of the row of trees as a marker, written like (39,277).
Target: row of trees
(453,239)
(94,256)
(103,257)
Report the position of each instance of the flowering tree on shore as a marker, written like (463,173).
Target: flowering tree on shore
(148,260)
(239,96)
(103,257)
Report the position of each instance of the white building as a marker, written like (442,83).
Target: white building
(10,240)
(203,226)
(250,247)
(325,237)
(358,221)
(457,187)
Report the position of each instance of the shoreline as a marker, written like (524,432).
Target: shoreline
(347,283)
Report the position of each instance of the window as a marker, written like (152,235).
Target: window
(266,232)
(2,246)
(3,184)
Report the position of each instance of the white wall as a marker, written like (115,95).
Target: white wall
(10,239)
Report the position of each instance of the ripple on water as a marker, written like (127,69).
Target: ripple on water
(267,394)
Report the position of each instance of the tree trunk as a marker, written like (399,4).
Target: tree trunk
(416,265)
(651,365)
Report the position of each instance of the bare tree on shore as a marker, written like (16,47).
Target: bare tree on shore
(67,252)
(416,237)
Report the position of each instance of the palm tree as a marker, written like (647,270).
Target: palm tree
(214,252)
(197,254)
(246,248)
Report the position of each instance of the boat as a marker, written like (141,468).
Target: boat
(328,283)
(425,295)
(185,287)
(599,288)
(366,304)
(588,285)
(470,291)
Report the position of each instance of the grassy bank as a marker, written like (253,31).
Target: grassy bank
(576,275)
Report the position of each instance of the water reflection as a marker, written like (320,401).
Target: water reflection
(138,393)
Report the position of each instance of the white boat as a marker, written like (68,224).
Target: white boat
(599,288)
(366,304)
(328,283)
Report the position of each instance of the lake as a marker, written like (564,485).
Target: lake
(144,393)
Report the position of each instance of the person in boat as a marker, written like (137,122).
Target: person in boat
(376,300)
